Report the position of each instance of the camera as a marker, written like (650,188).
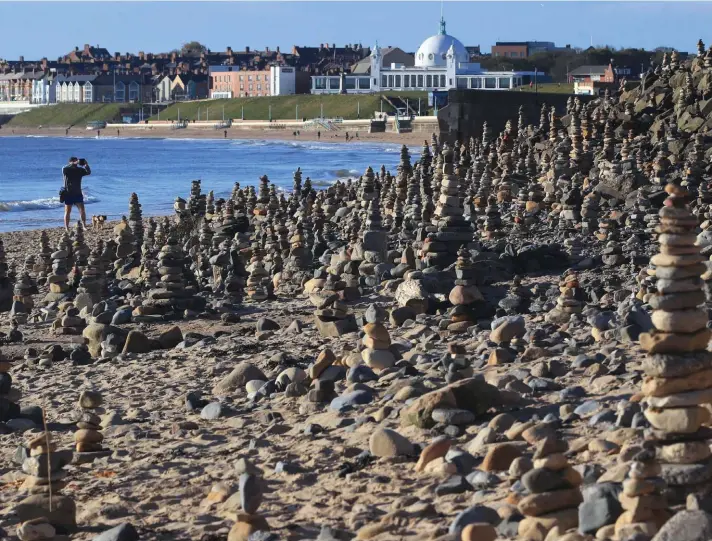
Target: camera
(82,161)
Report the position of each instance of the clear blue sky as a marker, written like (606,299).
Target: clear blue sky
(37,29)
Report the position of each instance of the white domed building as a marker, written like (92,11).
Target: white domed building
(441,63)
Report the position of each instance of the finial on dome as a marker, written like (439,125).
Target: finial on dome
(442,25)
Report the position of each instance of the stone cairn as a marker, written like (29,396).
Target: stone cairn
(69,322)
(377,342)
(45,474)
(9,408)
(58,286)
(464,295)
(5,282)
(440,248)
(22,302)
(570,300)
(259,285)
(79,247)
(125,246)
(678,370)
(136,219)
(88,436)
(171,291)
(44,259)
(554,494)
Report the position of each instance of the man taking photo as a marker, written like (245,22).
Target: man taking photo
(73,173)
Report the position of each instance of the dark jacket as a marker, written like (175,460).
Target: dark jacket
(73,174)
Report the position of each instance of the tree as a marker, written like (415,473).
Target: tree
(193,48)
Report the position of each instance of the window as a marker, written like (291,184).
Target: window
(320,83)
(242,77)
(490,82)
(77,90)
(250,87)
(334,83)
(384,80)
(420,81)
(120,91)
(504,82)
(462,82)
(406,81)
(134,91)
(398,81)
(257,77)
(390,81)
(350,83)
(249,77)
(259,86)
(364,82)
(450,81)
(442,81)
(476,82)
(242,87)
(428,81)
(88,92)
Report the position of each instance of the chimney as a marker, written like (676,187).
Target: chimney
(266,49)
(321,46)
(76,49)
(333,45)
(247,49)
(228,51)
(86,47)
(22,59)
(277,48)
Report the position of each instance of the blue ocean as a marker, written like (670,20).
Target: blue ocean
(158,170)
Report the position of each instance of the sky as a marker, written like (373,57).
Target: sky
(51,29)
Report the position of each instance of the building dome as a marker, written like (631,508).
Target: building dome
(433,51)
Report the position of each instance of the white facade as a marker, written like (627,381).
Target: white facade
(282,80)
(441,63)
(41,90)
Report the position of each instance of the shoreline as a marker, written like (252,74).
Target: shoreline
(409,139)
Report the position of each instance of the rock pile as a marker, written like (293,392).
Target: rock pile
(678,367)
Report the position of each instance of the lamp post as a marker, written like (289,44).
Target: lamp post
(296,112)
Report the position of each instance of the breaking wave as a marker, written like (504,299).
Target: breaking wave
(39,204)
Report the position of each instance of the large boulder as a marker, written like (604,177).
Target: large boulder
(686,526)
(96,333)
(238,378)
(474,395)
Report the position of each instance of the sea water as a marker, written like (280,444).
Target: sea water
(159,170)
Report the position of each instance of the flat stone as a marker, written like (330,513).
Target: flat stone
(674,366)
(548,502)
(682,420)
(662,386)
(693,398)
(680,321)
(688,452)
(686,474)
(385,442)
(661,342)
(122,532)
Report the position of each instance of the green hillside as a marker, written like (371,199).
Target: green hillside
(71,114)
(291,107)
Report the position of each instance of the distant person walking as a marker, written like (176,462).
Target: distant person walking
(347,137)
(73,173)
(118,133)
(318,135)
(66,132)
(98,133)
(225,134)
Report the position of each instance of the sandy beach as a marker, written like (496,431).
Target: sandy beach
(410,139)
